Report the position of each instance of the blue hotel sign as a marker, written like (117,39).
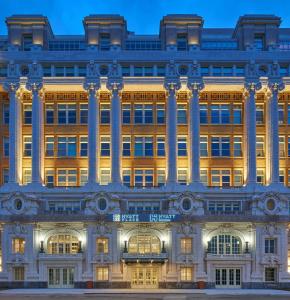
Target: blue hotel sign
(151,218)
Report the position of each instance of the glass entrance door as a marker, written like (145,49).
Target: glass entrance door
(144,277)
(228,278)
(61,277)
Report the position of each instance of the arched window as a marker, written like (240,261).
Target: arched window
(225,244)
(144,244)
(62,244)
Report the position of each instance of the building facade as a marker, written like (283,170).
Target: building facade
(158,161)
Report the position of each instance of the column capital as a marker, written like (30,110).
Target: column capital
(275,85)
(172,80)
(252,85)
(195,84)
(115,80)
(12,82)
(92,81)
(35,78)
(11,85)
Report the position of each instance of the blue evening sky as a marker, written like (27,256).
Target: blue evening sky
(143,16)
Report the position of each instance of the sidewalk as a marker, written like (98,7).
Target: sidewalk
(148,291)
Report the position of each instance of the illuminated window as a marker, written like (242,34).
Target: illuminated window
(127,177)
(63,244)
(27,114)
(238,178)
(105,146)
(203,113)
(281,113)
(66,146)
(181,114)
(220,114)
(182,176)
(220,146)
(161,177)
(105,111)
(105,176)
(282,146)
(18,245)
(282,176)
(143,146)
(5,114)
(49,177)
(126,113)
(102,273)
(144,244)
(83,177)
(67,177)
(49,146)
(27,146)
(259,114)
(26,176)
(160,114)
(102,245)
(237,114)
(49,113)
(143,114)
(186,245)
(225,244)
(185,274)
(5,175)
(182,146)
(260,152)
(221,178)
(261,176)
(204,177)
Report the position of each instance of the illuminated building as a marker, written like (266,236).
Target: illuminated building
(181,178)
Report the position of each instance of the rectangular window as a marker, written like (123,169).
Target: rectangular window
(127,177)
(5,146)
(237,114)
(66,147)
(281,146)
(221,178)
(83,177)
(83,146)
(126,113)
(49,178)
(105,41)
(220,114)
(182,176)
(182,146)
(282,176)
(5,114)
(181,42)
(185,274)
(102,273)
(204,177)
(27,42)
(49,146)
(66,114)
(105,176)
(161,177)
(143,114)
(186,245)
(105,146)
(143,178)
(83,114)
(259,42)
(220,146)
(203,113)
(260,146)
(203,146)
(18,273)
(143,146)
(27,114)
(49,113)
(102,245)
(26,176)
(270,246)
(160,146)
(238,146)
(105,112)
(126,146)
(18,245)
(261,176)
(67,177)
(281,113)
(27,146)
(5,175)
(270,274)
(238,178)
(259,114)
(181,114)
(160,114)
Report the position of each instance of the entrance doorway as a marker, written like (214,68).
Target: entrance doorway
(144,277)
(228,278)
(61,277)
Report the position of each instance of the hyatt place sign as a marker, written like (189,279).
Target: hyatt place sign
(154,218)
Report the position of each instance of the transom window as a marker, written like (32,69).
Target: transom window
(63,244)
(144,244)
(224,244)
(186,245)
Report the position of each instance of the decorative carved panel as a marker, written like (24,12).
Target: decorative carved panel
(206,96)
(143,96)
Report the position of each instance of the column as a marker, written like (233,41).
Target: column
(194,131)
(273,132)
(37,129)
(93,129)
(115,87)
(171,131)
(15,153)
(250,124)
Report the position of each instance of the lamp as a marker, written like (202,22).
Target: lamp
(41,250)
(125,247)
(80,250)
(247,247)
(163,250)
